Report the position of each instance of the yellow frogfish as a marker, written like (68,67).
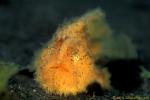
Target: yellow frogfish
(66,66)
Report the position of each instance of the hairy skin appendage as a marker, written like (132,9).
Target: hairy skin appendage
(66,65)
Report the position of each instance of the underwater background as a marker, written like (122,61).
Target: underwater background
(26,25)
